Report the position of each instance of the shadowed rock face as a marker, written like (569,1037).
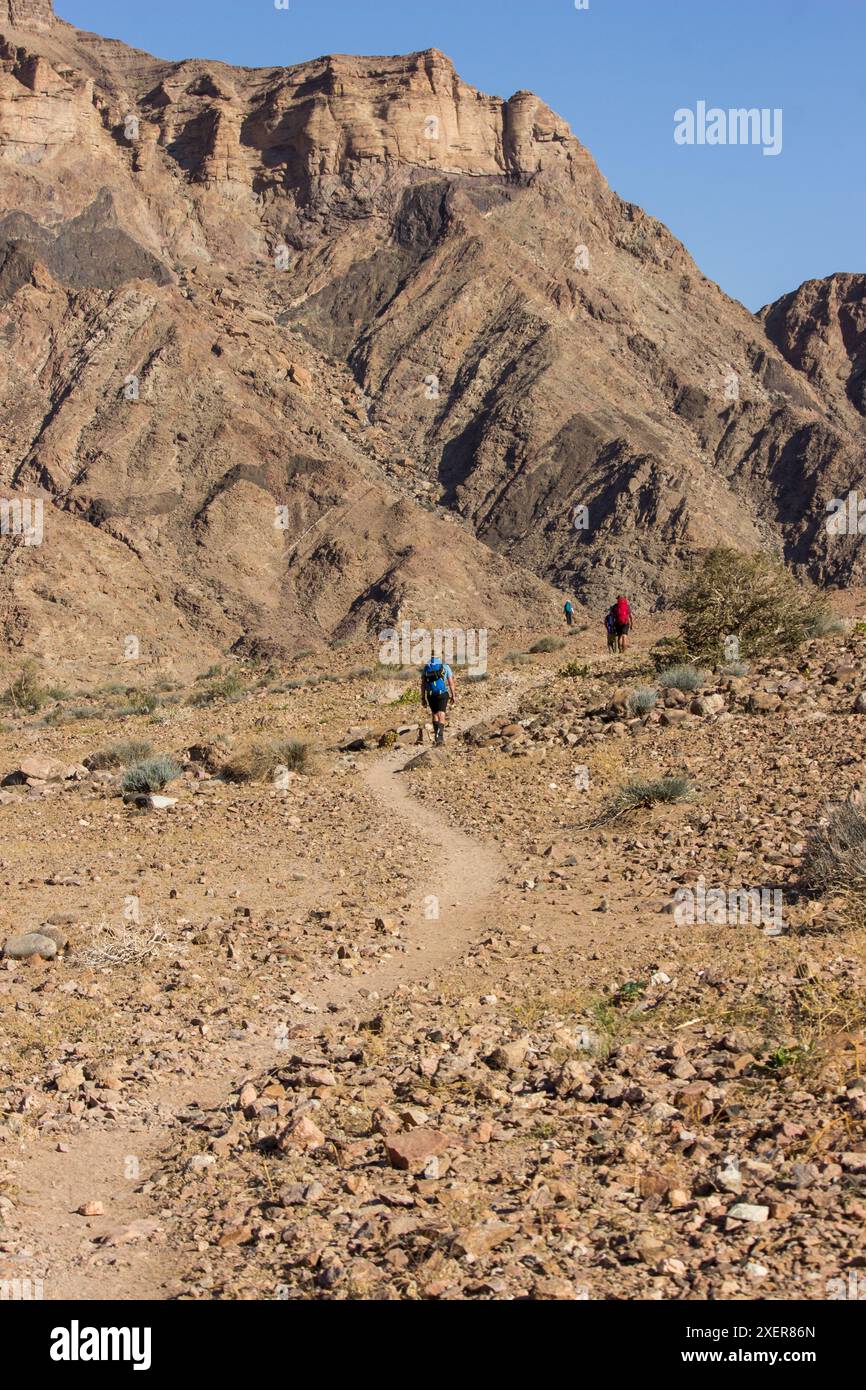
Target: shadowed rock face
(89,251)
(428,294)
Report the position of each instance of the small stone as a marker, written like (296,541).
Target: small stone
(747,1211)
(199,1163)
(91,1209)
(414,1149)
(509,1056)
(303,1134)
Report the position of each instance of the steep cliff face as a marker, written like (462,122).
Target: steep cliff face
(37,15)
(821,329)
(412,316)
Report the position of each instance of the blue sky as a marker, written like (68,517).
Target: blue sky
(617,72)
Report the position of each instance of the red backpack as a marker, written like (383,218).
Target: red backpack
(623,612)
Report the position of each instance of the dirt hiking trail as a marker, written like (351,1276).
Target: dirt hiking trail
(135,1258)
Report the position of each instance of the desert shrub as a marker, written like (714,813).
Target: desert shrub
(411,696)
(226,687)
(664,790)
(681,678)
(359,673)
(149,776)
(517,658)
(643,699)
(141,702)
(25,693)
(292,753)
(388,672)
(60,716)
(736,668)
(640,794)
(546,644)
(58,692)
(574,670)
(122,754)
(823,624)
(667,652)
(835,853)
(257,761)
(752,597)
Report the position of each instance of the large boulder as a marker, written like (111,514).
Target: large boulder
(36,769)
(30,944)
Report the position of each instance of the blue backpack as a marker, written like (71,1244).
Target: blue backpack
(434,677)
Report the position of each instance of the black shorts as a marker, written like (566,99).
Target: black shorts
(438,704)
(622,629)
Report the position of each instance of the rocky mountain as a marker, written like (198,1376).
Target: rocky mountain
(295,351)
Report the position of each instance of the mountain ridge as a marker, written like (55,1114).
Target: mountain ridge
(435,289)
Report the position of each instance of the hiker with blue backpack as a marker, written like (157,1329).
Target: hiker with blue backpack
(437,688)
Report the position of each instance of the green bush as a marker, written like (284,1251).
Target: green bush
(667,652)
(150,776)
(574,670)
(752,597)
(412,696)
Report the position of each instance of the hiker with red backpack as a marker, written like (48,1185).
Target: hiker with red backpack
(622,621)
(437,688)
